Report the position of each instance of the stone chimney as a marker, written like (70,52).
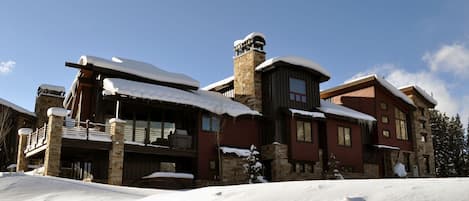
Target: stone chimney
(249,53)
(47,96)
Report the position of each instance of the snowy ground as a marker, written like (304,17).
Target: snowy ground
(20,187)
(38,188)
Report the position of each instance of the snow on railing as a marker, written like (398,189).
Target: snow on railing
(37,139)
(86,130)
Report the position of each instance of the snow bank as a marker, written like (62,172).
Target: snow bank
(16,107)
(249,36)
(211,101)
(396,92)
(239,152)
(331,190)
(169,175)
(307,113)
(19,186)
(331,108)
(218,83)
(298,61)
(139,68)
(52,87)
(422,92)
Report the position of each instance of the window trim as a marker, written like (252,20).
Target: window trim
(296,93)
(386,130)
(401,124)
(211,119)
(384,117)
(344,139)
(303,122)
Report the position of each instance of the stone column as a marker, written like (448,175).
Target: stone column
(22,161)
(116,154)
(54,141)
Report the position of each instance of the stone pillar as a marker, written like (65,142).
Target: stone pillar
(116,154)
(22,161)
(54,141)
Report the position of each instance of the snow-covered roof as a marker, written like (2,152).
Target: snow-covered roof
(139,68)
(391,88)
(422,92)
(298,61)
(16,107)
(382,146)
(307,113)
(211,101)
(331,108)
(238,151)
(52,87)
(249,36)
(169,175)
(218,83)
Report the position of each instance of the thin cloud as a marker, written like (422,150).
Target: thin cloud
(449,58)
(6,67)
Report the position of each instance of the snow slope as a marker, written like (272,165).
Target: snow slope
(453,189)
(41,188)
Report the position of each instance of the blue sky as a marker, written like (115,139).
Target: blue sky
(423,42)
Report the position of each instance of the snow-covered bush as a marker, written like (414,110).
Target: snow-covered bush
(399,170)
(253,167)
(333,168)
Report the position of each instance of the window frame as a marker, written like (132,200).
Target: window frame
(344,139)
(303,123)
(388,133)
(384,117)
(211,120)
(302,95)
(383,106)
(401,124)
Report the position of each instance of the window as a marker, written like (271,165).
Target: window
(297,90)
(167,167)
(426,162)
(401,125)
(303,131)
(385,119)
(422,124)
(343,136)
(386,133)
(424,137)
(213,165)
(422,111)
(383,106)
(210,123)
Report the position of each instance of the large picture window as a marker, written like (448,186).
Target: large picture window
(343,136)
(297,90)
(210,123)
(303,131)
(401,125)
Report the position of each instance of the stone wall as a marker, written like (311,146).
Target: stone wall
(423,146)
(44,102)
(282,168)
(233,169)
(247,82)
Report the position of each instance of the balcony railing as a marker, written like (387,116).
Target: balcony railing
(86,130)
(37,139)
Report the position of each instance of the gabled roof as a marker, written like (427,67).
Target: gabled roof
(16,107)
(140,69)
(296,61)
(365,79)
(421,92)
(210,101)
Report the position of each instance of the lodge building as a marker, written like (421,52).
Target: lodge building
(131,123)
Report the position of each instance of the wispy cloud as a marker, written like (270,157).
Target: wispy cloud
(7,66)
(449,58)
